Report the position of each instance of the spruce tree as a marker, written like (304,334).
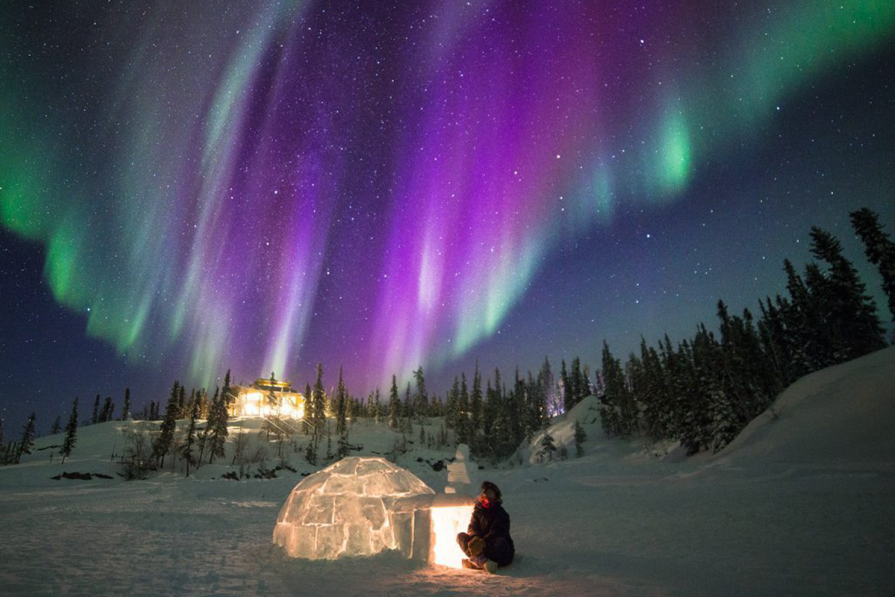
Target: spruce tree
(219,429)
(95,418)
(549,384)
(71,431)
(616,415)
(580,438)
(309,411)
(880,250)
(319,405)
(343,448)
(181,404)
(311,452)
(548,448)
(850,314)
(162,444)
(27,442)
(57,426)
(463,426)
(577,383)
(475,402)
(422,395)
(126,412)
(567,395)
(106,413)
(226,397)
(186,451)
(452,408)
(394,405)
(341,407)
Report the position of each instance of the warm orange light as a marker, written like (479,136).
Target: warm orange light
(446,523)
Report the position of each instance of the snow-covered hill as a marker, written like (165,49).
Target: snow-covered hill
(843,414)
(800,504)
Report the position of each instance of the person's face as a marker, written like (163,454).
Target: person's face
(489,493)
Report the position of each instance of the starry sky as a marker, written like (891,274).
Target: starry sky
(187,187)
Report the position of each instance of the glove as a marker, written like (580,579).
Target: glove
(476,546)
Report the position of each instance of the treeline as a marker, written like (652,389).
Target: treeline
(704,390)
(701,391)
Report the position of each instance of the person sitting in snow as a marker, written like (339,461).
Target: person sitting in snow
(487,542)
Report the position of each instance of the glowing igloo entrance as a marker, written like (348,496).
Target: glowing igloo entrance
(357,506)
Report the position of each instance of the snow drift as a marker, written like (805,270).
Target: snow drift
(841,414)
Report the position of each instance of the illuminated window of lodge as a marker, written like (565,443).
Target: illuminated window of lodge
(266,397)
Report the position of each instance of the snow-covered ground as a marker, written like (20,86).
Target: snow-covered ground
(802,503)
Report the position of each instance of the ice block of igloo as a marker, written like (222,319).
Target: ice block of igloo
(357,506)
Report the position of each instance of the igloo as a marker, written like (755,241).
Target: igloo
(358,506)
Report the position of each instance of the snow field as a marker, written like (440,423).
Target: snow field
(800,504)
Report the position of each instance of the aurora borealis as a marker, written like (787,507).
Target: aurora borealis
(383,185)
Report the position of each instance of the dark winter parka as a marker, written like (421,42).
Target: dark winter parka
(490,523)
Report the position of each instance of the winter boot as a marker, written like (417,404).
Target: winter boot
(467,564)
(476,546)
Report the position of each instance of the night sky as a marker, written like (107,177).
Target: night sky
(187,187)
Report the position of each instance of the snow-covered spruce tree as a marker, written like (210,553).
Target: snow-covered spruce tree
(219,431)
(464,427)
(565,387)
(106,413)
(356,409)
(803,321)
(126,411)
(407,412)
(311,452)
(612,417)
(376,406)
(576,379)
(547,448)
(341,407)
(394,405)
(27,441)
(652,394)
(775,343)
(57,425)
(95,418)
(205,435)
(343,448)
(549,382)
(190,402)
(536,408)
(71,432)
(189,443)
(309,411)
(329,444)
(744,372)
(580,438)
(452,406)
(501,435)
(476,402)
(165,439)
(851,316)
(319,397)
(421,397)
(182,412)
(880,250)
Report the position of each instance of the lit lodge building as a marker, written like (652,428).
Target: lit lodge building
(266,397)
